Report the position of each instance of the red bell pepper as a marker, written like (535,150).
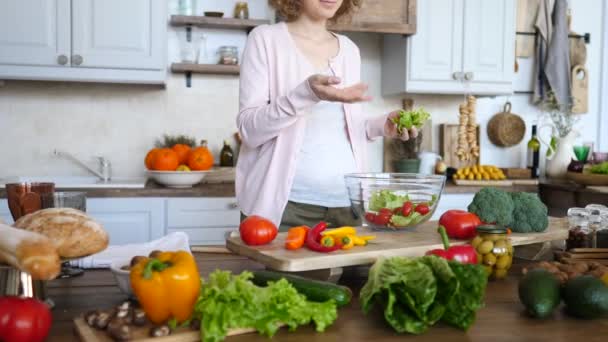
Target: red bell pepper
(313,240)
(464,254)
(24,319)
(460,224)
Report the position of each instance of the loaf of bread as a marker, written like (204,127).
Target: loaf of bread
(29,252)
(73,232)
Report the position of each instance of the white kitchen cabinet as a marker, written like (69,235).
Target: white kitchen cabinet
(461,46)
(205,220)
(452,201)
(129,220)
(84,40)
(5,213)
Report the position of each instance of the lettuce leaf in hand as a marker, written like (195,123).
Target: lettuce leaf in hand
(230,301)
(461,311)
(412,118)
(413,292)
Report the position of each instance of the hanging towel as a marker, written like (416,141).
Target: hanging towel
(552,52)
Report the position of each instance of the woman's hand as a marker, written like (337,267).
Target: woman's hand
(323,87)
(390,129)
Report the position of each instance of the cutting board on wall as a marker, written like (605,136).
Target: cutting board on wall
(448,143)
(427,141)
(580,89)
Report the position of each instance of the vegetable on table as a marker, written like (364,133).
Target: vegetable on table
(229,301)
(415,293)
(314,290)
(327,241)
(256,230)
(529,213)
(412,118)
(347,242)
(493,205)
(601,168)
(314,237)
(24,319)
(459,224)
(342,231)
(296,237)
(166,286)
(464,254)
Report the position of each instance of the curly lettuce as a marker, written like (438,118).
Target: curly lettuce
(228,301)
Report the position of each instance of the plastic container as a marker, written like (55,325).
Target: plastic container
(494,250)
(229,55)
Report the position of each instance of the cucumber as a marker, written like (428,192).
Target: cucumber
(314,290)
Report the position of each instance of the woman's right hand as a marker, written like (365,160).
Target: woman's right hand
(323,87)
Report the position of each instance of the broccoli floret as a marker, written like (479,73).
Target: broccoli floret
(529,213)
(493,206)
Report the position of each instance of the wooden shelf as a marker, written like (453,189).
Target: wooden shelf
(221,23)
(205,68)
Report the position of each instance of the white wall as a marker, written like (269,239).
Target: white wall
(122,121)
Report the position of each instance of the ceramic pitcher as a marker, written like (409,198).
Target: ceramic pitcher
(559,159)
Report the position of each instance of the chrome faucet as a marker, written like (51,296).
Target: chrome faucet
(105,167)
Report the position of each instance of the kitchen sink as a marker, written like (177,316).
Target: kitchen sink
(79,182)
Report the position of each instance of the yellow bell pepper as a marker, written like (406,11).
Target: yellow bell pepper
(359,241)
(167,286)
(342,231)
(347,242)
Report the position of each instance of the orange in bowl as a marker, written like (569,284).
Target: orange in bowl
(165,159)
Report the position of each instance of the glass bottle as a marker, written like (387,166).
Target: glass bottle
(533,153)
(579,234)
(227,155)
(241,10)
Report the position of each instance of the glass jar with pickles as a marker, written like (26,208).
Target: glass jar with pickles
(494,250)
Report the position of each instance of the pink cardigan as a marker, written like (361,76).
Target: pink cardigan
(274,92)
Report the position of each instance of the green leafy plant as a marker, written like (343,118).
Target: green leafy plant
(168,141)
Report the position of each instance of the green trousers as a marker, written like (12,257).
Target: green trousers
(300,214)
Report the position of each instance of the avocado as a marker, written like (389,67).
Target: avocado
(586,297)
(539,292)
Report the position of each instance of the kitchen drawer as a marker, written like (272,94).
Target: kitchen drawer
(5,213)
(452,201)
(206,236)
(202,213)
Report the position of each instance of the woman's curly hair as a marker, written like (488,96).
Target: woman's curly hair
(290,9)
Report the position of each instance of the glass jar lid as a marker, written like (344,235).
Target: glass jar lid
(491,229)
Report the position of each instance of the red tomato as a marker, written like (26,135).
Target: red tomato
(460,224)
(422,209)
(406,210)
(385,211)
(24,319)
(370,217)
(256,230)
(383,219)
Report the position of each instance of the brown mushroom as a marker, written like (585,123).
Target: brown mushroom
(118,330)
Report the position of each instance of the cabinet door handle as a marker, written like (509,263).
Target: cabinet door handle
(77,59)
(233,205)
(457,76)
(62,59)
(469,76)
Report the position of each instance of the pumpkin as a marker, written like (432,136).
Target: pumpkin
(149,161)
(200,159)
(182,151)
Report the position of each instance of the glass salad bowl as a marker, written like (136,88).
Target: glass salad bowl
(394,201)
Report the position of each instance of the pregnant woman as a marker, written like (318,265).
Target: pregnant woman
(300,117)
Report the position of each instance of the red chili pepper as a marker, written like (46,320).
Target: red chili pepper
(464,254)
(313,237)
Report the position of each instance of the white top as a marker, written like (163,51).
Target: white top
(324,158)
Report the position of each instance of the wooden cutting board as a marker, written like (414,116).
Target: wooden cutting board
(580,89)
(448,143)
(413,242)
(140,334)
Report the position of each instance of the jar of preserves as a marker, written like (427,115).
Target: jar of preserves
(579,234)
(229,55)
(494,250)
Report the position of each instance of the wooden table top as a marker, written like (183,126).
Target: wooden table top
(502,319)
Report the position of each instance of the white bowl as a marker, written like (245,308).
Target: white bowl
(122,277)
(178,179)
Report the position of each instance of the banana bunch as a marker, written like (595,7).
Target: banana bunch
(480,172)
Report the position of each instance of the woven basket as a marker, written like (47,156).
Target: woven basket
(506,129)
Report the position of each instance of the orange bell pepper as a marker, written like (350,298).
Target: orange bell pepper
(167,286)
(296,237)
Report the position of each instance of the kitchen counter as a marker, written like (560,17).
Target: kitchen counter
(226,189)
(502,319)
